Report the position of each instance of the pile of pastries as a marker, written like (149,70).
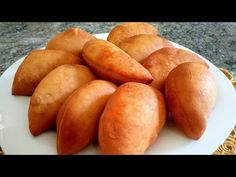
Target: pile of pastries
(116,92)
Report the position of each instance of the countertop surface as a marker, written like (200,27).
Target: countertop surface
(214,41)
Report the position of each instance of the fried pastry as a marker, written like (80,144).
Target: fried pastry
(36,66)
(78,118)
(109,62)
(191,94)
(128,29)
(132,119)
(51,92)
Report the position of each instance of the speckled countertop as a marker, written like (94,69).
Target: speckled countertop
(214,41)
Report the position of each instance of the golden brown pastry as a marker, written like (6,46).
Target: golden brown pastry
(51,92)
(36,66)
(125,30)
(111,63)
(71,40)
(191,94)
(78,118)
(141,46)
(132,119)
(161,62)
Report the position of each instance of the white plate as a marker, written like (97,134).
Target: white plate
(15,137)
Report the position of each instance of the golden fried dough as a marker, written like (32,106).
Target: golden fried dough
(141,46)
(191,94)
(111,63)
(71,40)
(125,30)
(161,62)
(132,119)
(51,92)
(36,66)
(78,118)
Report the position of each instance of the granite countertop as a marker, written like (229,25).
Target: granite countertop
(214,41)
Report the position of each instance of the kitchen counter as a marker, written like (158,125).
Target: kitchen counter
(214,41)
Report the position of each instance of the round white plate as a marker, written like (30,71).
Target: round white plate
(15,137)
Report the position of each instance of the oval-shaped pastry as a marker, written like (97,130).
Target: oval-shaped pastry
(51,92)
(132,119)
(36,66)
(71,40)
(162,61)
(125,30)
(78,118)
(111,63)
(141,46)
(191,94)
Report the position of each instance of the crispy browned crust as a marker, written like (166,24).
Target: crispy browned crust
(132,119)
(161,62)
(125,30)
(36,66)
(191,93)
(71,40)
(78,118)
(52,92)
(141,46)
(111,63)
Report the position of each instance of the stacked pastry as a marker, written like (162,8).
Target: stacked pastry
(118,91)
